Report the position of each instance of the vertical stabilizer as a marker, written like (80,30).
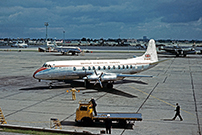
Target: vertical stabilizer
(151,53)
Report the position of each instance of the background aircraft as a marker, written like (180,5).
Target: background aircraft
(62,49)
(68,50)
(179,50)
(104,72)
(20,45)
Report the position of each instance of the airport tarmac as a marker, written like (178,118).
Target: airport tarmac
(27,102)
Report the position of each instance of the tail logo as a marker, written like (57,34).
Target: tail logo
(147,57)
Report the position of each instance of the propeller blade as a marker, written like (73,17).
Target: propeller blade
(100,84)
(99,80)
(96,82)
(101,75)
(95,72)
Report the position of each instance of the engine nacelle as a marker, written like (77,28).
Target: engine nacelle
(109,77)
(104,77)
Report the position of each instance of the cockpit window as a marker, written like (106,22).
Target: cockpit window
(46,65)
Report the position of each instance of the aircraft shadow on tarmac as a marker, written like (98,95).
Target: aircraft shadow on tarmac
(44,88)
(96,125)
(111,91)
(167,119)
(130,81)
(59,54)
(79,85)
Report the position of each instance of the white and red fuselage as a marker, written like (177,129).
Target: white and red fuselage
(105,70)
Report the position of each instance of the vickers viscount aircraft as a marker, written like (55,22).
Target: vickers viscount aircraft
(104,72)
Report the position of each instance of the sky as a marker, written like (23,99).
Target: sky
(95,19)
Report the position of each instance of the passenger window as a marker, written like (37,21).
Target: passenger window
(74,68)
(104,67)
(99,68)
(89,68)
(119,66)
(108,67)
(93,68)
(131,66)
(114,67)
(127,66)
(84,68)
(123,66)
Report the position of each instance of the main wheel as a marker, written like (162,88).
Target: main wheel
(110,85)
(86,121)
(122,123)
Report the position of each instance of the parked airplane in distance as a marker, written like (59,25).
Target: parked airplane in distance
(104,72)
(68,50)
(180,50)
(62,49)
(20,45)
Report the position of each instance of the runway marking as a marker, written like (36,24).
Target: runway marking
(194,96)
(34,104)
(29,121)
(148,95)
(160,100)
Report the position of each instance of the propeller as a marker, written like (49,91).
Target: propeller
(98,79)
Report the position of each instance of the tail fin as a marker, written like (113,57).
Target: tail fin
(151,53)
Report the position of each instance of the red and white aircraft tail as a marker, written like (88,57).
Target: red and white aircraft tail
(151,53)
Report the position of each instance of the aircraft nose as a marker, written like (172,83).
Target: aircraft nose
(36,73)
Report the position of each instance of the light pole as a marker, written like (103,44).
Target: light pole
(46,24)
(63,37)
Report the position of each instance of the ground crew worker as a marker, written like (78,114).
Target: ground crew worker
(73,90)
(177,112)
(108,124)
(94,105)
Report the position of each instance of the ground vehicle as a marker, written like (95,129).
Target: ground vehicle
(85,115)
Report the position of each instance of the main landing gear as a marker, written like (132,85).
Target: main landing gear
(108,85)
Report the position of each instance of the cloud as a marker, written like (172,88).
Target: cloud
(180,11)
(90,18)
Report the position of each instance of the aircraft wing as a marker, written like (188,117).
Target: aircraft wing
(126,75)
(101,77)
(112,76)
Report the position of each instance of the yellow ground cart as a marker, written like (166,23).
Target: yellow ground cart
(84,114)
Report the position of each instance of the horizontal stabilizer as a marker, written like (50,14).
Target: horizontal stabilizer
(155,63)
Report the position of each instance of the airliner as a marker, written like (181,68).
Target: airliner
(180,50)
(62,49)
(20,45)
(104,72)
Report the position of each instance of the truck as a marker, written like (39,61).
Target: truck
(84,115)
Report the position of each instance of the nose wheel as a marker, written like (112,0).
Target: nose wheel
(86,84)
(50,85)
